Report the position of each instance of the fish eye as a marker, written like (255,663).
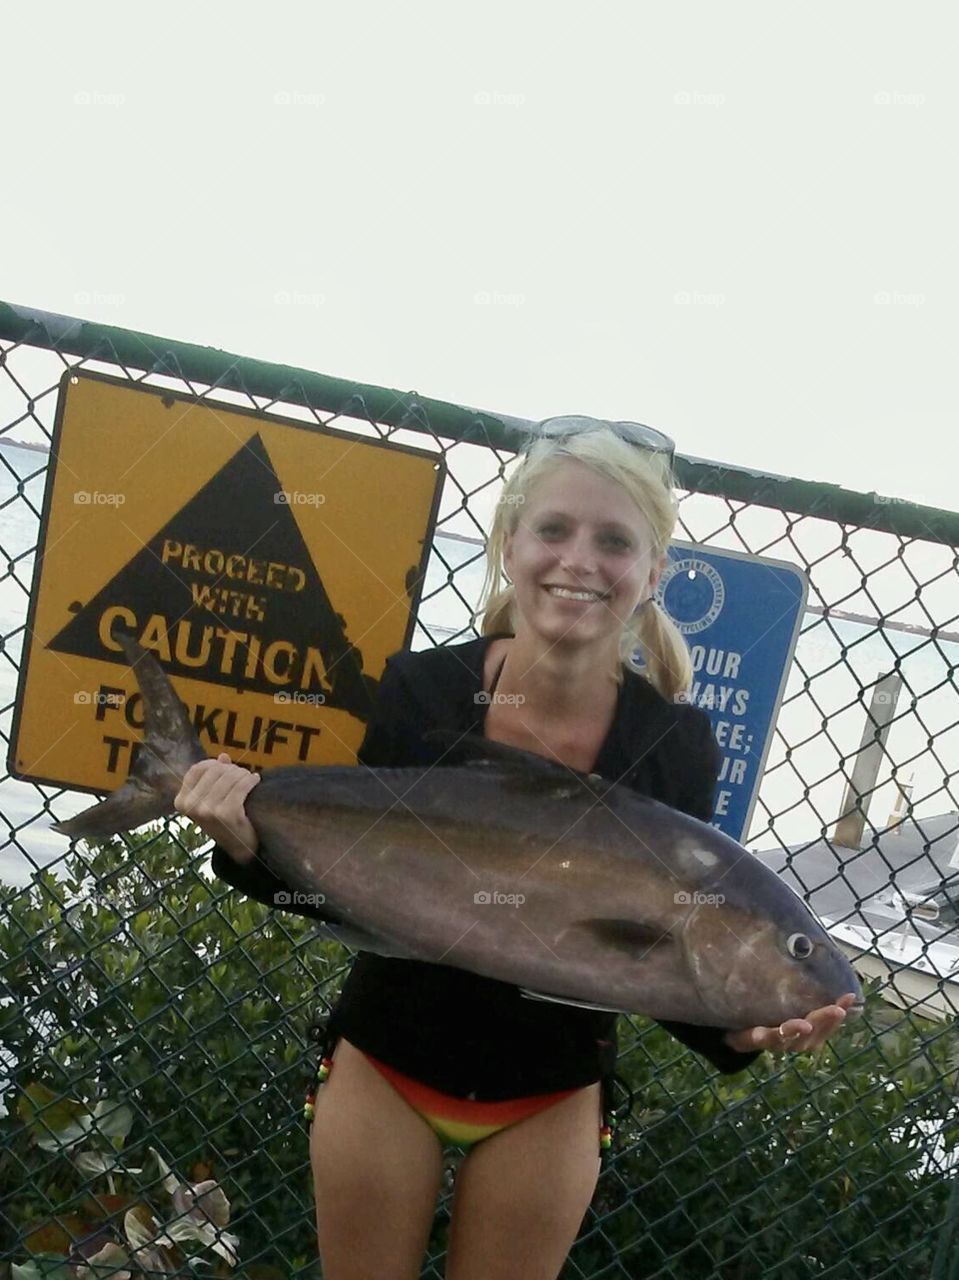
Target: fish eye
(799,946)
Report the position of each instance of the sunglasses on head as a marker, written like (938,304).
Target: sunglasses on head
(636,433)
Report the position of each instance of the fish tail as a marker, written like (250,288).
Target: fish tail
(170,745)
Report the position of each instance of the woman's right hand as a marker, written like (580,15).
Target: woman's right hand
(212,795)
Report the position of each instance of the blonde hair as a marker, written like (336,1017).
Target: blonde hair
(647,478)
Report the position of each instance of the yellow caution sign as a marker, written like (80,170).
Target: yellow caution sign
(271,566)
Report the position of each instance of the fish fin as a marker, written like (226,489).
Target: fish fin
(623,935)
(170,745)
(357,939)
(578,1004)
(523,767)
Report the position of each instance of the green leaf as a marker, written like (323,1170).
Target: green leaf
(55,1122)
(113,1120)
(94,1163)
(45,1266)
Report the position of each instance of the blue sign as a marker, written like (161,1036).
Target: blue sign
(740,616)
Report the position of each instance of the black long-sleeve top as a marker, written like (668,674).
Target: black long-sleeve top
(454,1030)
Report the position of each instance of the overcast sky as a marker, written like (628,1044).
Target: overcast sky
(735,221)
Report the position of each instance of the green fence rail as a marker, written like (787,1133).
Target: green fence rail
(154,1027)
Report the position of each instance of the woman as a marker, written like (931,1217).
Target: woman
(416,1052)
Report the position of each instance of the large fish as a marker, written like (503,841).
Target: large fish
(514,867)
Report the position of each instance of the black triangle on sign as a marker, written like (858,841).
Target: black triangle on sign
(227,592)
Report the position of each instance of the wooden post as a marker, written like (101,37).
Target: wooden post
(855,804)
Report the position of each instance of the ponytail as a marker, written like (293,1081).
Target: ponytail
(669,668)
(498,613)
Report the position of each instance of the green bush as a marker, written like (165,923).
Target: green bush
(821,1164)
(137,979)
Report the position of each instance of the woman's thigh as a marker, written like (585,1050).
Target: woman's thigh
(522,1194)
(377,1168)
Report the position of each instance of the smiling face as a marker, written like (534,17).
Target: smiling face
(580,559)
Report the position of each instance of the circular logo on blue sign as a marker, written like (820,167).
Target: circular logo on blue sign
(692,593)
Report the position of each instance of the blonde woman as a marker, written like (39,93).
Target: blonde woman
(416,1055)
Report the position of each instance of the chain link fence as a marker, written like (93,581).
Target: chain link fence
(155,1028)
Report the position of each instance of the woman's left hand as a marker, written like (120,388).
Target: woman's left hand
(795,1035)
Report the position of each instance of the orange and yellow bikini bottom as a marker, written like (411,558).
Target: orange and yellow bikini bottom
(460,1122)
